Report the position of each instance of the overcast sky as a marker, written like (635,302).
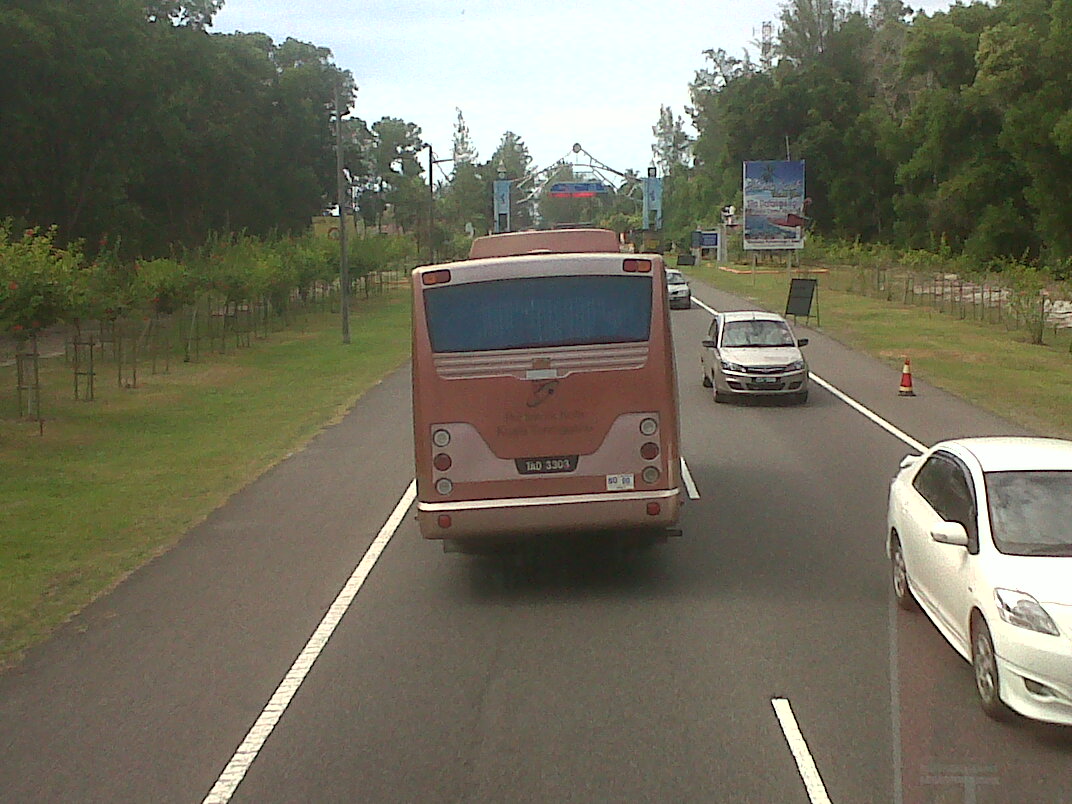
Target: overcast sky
(554,72)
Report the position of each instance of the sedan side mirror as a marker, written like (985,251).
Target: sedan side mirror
(910,460)
(802,341)
(950,533)
(710,344)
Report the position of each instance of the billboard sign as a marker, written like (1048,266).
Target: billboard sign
(774,205)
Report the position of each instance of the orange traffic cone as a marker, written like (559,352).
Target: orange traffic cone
(906,379)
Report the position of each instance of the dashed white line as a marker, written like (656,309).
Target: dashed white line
(235,771)
(711,310)
(852,403)
(813,782)
(690,485)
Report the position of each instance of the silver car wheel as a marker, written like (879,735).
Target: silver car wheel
(985,667)
(899,575)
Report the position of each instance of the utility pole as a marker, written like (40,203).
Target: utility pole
(431,206)
(343,196)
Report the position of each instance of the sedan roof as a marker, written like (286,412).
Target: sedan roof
(1015,453)
(750,315)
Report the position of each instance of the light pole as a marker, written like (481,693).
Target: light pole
(432,162)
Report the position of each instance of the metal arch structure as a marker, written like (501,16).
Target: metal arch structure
(534,183)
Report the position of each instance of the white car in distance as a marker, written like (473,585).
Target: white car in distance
(979,535)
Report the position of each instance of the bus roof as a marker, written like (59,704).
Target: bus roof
(556,241)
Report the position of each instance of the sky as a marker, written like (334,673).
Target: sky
(554,72)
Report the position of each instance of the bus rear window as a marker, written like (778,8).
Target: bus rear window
(539,312)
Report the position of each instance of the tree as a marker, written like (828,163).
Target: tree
(194,13)
(807,27)
(672,144)
(463,151)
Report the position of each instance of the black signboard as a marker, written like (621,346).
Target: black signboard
(801,294)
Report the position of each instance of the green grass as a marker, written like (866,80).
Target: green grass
(984,363)
(113,482)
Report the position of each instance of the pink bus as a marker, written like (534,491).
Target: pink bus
(557,241)
(544,398)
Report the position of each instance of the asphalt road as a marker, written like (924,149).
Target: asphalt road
(575,676)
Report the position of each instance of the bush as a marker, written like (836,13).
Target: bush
(36,279)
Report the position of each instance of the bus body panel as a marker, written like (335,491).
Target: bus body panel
(571,415)
(546,241)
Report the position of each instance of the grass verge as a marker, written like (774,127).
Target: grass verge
(996,369)
(116,481)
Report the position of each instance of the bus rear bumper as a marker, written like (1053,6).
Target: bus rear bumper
(493,520)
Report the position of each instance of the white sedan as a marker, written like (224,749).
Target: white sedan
(980,536)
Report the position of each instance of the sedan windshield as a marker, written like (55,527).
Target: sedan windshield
(1031,512)
(675,278)
(756,333)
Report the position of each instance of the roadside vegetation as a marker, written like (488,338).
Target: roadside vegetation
(115,481)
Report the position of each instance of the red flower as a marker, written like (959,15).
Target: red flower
(17,328)
(36,325)
(12,285)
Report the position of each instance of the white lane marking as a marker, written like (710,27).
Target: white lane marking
(690,485)
(852,403)
(813,783)
(235,771)
(711,310)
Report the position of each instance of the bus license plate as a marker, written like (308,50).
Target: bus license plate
(543,466)
(623,482)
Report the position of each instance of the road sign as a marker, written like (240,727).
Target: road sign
(577,189)
(707,239)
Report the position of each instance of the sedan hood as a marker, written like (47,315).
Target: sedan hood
(1045,578)
(761,355)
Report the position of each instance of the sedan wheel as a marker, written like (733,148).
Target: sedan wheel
(706,378)
(985,666)
(899,574)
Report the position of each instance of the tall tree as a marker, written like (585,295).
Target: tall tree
(195,13)
(672,143)
(807,27)
(462,150)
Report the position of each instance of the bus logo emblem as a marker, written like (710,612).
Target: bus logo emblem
(541,392)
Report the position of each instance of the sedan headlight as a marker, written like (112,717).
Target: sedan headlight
(796,365)
(1023,611)
(728,366)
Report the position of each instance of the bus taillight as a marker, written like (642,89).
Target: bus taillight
(444,521)
(650,474)
(649,452)
(633,266)
(436,277)
(654,508)
(441,462)
(648,426)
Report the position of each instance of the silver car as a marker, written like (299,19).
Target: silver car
(677,289)
(753,353)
